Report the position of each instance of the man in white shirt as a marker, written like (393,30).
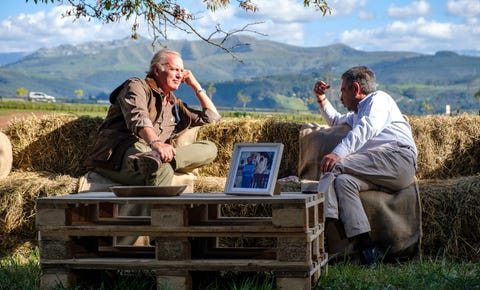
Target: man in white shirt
(379,153)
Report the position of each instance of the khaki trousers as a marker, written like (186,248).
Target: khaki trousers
(187,158)
(388,168)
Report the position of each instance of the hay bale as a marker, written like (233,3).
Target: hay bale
(18,192)
(56,143)
(209,184)
(228,132)
(448,146)
(6,155)
(450,220)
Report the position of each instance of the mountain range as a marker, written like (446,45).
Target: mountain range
(271,74)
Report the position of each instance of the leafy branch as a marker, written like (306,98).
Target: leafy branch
(162,15)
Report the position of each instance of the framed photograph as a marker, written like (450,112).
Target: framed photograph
(254,168)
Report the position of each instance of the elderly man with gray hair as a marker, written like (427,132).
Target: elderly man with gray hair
(135,144)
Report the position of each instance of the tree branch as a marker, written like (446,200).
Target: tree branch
(160,14)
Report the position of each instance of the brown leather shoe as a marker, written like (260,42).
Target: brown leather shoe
(146,162)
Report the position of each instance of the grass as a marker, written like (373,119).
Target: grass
(421,274)
(8,107)
(100,110)
(21,271)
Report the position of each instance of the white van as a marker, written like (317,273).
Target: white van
(40,97)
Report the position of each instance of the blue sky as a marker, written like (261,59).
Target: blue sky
(424,26)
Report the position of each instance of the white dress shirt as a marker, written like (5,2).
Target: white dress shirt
(378,121)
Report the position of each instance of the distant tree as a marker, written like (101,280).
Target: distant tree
(162,15)
(244,99)
(211,90)
(477,95)
(79,93)
(21,92)
(426,107)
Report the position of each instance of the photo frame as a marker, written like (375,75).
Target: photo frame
(254,168)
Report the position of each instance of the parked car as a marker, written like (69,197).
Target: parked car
(40,97)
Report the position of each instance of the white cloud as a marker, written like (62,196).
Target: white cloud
(418,35)
(284,21)
(464,8)
(289,33)
(366,15)
(32,31)
(285,11)
(346,7)
(281,21)
(416,8)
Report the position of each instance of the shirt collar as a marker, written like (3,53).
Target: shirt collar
(152,84)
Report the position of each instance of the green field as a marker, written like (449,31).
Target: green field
(9,107)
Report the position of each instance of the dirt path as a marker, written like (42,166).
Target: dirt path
(5,119)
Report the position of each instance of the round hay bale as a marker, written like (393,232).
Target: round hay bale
(6,155)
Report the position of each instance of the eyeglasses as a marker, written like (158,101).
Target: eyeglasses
(173,68)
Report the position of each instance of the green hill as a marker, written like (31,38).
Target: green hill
(267,71)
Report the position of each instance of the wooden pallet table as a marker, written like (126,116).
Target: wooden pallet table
(78,232)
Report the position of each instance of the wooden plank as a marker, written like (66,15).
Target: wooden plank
(190,265)
(289,283)
(53,277)
(289,216)
(185,198)
(194,231)
(50,216)
(172,249)
(265,253)
(168,216)
(82,213)
(313,218)
(294,249)
(179,280)
(59,248)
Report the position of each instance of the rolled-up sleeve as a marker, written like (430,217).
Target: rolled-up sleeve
(133,103)
(201,117)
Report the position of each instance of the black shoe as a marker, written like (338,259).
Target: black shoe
(372,257)
(152,241)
